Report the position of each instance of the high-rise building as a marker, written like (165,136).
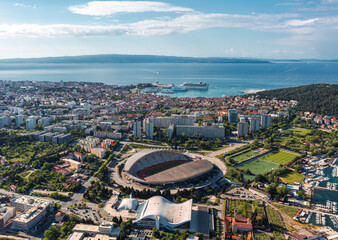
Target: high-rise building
(137,127)
(4,121)
(19,120)
(243,129)
(45,121)
(254,123)
(148,127)
(30,122)
(233,116)
(265,121)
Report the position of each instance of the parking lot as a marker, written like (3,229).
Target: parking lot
(240,193)
(96,215)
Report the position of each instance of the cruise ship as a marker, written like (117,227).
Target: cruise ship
(200,85)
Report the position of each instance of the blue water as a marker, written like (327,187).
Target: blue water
(224,79)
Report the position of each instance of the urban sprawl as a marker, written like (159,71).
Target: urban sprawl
(94,161)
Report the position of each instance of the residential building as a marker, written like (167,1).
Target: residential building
(148,127)
(206,131)
(30,123)
(265,121)
(233,116)
(99,152)
(242,129)
(137,127)
(19,120)
(254,123)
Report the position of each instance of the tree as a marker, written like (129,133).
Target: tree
(52,233)
(281,191)
(156,233)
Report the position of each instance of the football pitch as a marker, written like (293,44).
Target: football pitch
(280,157)
(245,156)
(156,169)
(259,166)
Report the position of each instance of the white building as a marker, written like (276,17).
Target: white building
(6,213)
(265,121)
(45,121)
(5,121)
(242,129)
(233,116)
(254,123)
(19,120)
(30,123)
(137,127)
(205,131)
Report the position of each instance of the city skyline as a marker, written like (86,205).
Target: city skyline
(269,29)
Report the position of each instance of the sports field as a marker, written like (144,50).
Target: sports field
(259,166)
(291,177)
(280,157)
(245,156)
(158,168)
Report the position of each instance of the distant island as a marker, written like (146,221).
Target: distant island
(122,58)
(317,98)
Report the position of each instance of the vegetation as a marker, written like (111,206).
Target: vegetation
(276,223)
(290,177)
(318,98)
(97,192)
(262,236)
(56,233)
(290,211)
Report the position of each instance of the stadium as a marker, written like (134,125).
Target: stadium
(164,167)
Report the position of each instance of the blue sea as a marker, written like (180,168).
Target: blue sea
(224,78)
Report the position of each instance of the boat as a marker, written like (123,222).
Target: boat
(167,90)
(200,85)
(163,85)
(179,89)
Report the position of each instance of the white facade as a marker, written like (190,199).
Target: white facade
(206,131)
(6,213)
(30,123)
(19,120)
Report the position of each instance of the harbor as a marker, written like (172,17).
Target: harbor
(168,88)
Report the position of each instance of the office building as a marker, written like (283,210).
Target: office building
(242,129)
(233,116)
(137,127)
(265,121)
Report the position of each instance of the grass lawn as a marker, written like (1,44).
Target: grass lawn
(162,168)
(290,211)
(290,177)
(259,166)
(280,157)
(220,148)
(245,156)
(300,131)
(262,236)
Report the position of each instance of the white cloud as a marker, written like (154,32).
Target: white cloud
(298,23)
(107,8)
(24,5)
(330,1)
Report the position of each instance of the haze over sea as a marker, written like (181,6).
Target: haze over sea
(223,78)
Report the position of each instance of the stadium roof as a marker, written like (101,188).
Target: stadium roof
(128,204)
(170,214)
(181,172)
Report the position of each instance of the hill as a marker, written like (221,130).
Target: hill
(317,98)
(120,58)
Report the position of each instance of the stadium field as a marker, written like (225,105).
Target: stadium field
(259,166)
(280,157)
(245,156)
(158,168)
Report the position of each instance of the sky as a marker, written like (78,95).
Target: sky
(268,29)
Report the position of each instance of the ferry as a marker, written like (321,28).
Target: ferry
(163,85)
(167,90)
(179,89)
(200,85)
